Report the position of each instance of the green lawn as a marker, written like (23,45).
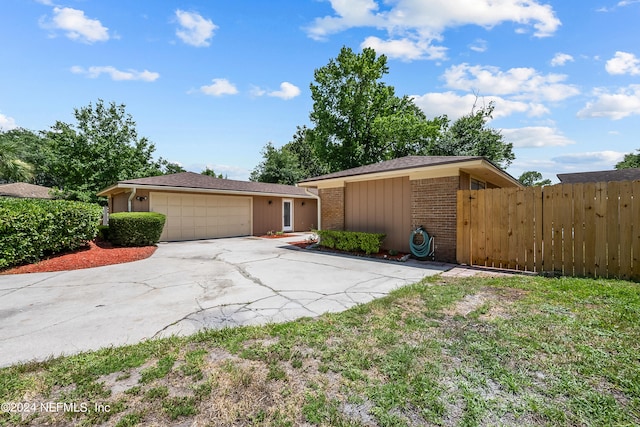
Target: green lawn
(476,351)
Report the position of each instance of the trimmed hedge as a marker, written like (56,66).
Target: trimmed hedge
(33,228)
(351,241)
(135,228)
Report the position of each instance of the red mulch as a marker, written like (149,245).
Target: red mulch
(96,254)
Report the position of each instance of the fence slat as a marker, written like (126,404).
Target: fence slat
(497,228)
(578,229)
(537,192)
(589,191)
(566,219)
(636,230)
(600,262)
(489,212)
(547,231)
(462,234)
(613,229)
(626,229)
(520,231)
(480,238)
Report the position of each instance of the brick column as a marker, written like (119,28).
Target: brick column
(332,208)
(433,205)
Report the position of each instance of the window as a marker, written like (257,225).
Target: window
(477,185)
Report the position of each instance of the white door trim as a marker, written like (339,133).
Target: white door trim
(286,227)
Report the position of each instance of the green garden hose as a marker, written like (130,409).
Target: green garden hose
(424,249)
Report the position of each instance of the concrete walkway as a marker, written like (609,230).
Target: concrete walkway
(182,288)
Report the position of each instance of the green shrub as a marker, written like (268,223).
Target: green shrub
(135,228)
(33,228)
(351,241)
(103,232)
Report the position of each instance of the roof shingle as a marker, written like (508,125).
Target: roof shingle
(631,174)
(407,162)
(25,190)
(198,181)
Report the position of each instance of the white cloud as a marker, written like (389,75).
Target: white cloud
(561,59)
(219,87)
(593,158)
(405,49)
(7,123)
(479,45)
(623,63)
(194,29)
(287,91)
(535,136)
(625,102)
(412,24)
(519,83)
(115,74)
(76,25)
(455,106)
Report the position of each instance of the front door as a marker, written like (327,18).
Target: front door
(287,215)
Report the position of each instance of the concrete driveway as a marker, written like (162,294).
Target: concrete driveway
(182,288)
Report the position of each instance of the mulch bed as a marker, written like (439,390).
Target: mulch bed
(96,254)
(383,254)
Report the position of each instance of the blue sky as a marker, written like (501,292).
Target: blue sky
(211,82)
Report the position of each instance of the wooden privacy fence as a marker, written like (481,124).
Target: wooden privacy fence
(590,229)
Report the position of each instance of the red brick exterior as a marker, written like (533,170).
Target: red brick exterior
(433,205)
(332,208)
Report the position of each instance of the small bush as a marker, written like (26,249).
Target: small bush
(103,232)
(33,228)
(135,228)
(351,241)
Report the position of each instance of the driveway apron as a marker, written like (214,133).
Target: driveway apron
(185,287)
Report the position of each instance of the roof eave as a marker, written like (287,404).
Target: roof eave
(126,186)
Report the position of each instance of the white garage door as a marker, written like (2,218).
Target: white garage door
(199,216)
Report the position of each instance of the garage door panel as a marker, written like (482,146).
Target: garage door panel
(198,216)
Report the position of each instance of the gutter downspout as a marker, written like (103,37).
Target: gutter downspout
(131,196)
(317,197)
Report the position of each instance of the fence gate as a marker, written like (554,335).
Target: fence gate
(590,229)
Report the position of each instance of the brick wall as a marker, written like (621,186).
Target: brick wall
(332,208)
(433,205)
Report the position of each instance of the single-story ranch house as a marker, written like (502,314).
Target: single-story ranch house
(201,207)
(396,196)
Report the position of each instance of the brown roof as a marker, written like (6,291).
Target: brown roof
(631,174)
(24,190)
(407,162)
(192,180)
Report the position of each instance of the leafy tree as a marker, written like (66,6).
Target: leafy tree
(100,150)
(170,167)
(533,179)
(302,146)
(631,160)
(12,168)
(469,136)
(211,172)
(31,148)
(358,119)
(280,166)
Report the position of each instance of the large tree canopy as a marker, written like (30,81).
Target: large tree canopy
(358,119)
(13,168)
(470,136)
(631,160)
(533,179)
(101,149)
